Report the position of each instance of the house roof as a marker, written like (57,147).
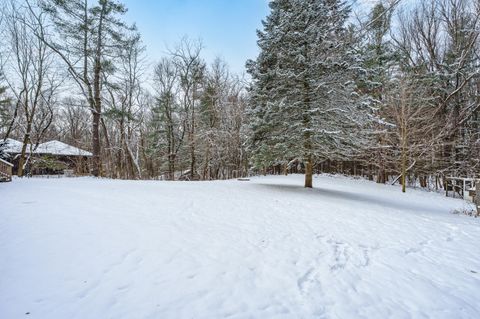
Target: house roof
(59,148)
(13,146)
(48,148)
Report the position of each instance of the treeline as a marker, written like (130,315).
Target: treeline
(76,71)
(425,80)
(394,96)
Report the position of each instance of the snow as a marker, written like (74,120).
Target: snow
(267,248)
(52,147)
(13,146)
(59,148)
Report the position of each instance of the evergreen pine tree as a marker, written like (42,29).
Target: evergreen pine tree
(378,64)
(302,101)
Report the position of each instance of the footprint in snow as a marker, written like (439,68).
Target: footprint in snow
(340,254)
(420,248)
(306,280)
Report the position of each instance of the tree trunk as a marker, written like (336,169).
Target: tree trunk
(404,171)
(21,162)
(477,196)
(423,181)
(309,172)
(96,161)
(97,99)
(110,163)
(206,170)
(192,157)
(404,136)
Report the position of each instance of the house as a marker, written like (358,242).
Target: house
(49,158)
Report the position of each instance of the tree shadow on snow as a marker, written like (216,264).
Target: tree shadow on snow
(388,203)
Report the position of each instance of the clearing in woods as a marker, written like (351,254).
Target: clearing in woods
(265,248)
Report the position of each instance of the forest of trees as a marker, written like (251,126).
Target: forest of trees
(393,96)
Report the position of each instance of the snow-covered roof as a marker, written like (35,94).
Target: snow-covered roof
(13,146)
(52,148)
(59,148)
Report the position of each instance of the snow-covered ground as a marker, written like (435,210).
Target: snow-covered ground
(267,248)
